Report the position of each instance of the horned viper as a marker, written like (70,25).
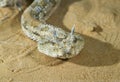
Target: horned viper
(52,41)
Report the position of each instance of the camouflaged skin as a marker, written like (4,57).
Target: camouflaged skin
(52,41)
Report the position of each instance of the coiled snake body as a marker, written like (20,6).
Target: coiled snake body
(52,41)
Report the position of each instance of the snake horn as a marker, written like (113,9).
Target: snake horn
(72,30)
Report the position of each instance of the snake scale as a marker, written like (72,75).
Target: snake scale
(52,41)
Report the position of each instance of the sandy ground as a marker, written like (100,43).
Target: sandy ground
(98,21)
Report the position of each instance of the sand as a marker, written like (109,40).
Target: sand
(98,21)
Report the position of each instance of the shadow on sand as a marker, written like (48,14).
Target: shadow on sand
(95,52)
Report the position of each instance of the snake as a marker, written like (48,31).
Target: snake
(51,40)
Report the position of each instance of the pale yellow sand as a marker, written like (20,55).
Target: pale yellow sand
(99,23)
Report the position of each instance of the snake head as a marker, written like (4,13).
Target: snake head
(63,47)
(72,45)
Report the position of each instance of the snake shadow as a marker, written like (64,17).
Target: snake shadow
(95,52)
